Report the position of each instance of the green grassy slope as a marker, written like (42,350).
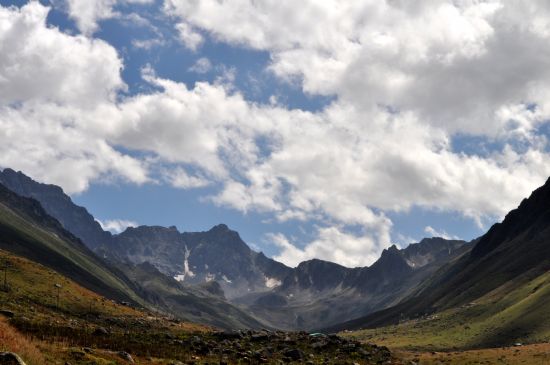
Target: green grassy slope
(26,230)
(515,312)
(496,295)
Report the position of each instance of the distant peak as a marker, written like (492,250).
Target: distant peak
(391,250)
(318,263)
(220,228)
(22,178)
(8,170)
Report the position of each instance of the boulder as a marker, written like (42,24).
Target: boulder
(294,354)
(7,313)
(126,356)
(10,358)
(100,331)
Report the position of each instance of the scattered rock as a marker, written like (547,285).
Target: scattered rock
(294,354)
(100,331)
(126,356)
(7,313)
(10,358)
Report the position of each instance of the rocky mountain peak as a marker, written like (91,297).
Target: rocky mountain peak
(219,228)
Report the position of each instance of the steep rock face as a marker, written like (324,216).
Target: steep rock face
(204,303)
(316,275)
(157,245)
(430,250)
(197,257)
(56,203)
(533,214)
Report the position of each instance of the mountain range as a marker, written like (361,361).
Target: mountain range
(217,266)
(496,286)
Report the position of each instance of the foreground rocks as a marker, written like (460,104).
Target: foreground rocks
(120,341)
(10,358)
(258,347)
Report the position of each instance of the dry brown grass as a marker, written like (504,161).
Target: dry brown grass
(13,341)
(537,354)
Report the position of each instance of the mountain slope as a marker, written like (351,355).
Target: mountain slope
(57,204)
(509,258)
(27,230)
(316,293)
(201,304)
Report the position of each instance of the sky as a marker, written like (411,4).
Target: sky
(316,129)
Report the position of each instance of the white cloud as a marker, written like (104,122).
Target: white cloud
(87,13)
(323,166)
(116,225)
(331,244)
(179,178)
(44,142)
(203,65)
(455,64)
(55,90)
(147,44)
(403,90)
(407,78)
(188,36)
(43,64)
(439,233)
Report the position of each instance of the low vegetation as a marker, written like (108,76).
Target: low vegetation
(514,313)
(49,319)
(509,325)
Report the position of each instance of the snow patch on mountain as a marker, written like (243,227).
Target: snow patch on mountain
(186,271)
(272,282)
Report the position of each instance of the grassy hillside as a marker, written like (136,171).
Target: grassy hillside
(84,328)
(44,330)
(26,229)
(516,312)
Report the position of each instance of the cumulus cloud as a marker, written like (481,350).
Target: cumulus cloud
(87,13)
(331,244)
(407,80)
(324,166)
(50,84)
(116,225)
(456,64)
(188,36)
(39,63)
